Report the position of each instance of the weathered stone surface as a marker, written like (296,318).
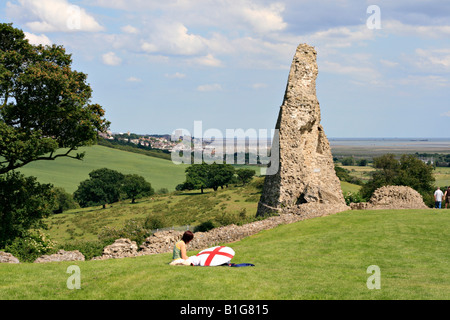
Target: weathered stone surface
(121,248)
(6,257)
(306,182)
(392,197)
(61,255)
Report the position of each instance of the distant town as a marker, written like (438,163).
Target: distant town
(164,142)
(169,143)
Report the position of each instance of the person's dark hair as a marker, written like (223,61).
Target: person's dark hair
(187,236)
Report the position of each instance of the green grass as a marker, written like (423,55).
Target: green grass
(442,175)
(187,208)
(68,173)
(321,258)
(349,187)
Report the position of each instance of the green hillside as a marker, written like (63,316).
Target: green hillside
(68,173)
(321,258)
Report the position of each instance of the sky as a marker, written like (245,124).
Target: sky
(158,66)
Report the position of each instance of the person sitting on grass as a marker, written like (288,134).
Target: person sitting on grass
(180,257)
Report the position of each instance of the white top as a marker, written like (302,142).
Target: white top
(438,194)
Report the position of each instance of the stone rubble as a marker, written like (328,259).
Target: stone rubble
(61,255)
(6,257)
(121,248)
(392,197)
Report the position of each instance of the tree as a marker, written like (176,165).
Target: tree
(45,114)
(362,162)
(64,201)
(103,187)
(219,175)
(245,175)
(135,187)
(44,104)
(201,176)
(23,204)
(406,171)
(196,177)
(348,161)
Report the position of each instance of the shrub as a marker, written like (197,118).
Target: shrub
(133,230)
(89,249)
(31,246)
(163,191)
(353,198)
(154,222)
(205,226)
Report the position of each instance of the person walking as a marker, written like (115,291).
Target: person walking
(447,197)
(438,195)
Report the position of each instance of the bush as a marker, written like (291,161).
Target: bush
(31,246)
(205,226)
(64,201)
(89,249)
(428,199)
(353,198)
(133,230)
(154,222)
(163,191)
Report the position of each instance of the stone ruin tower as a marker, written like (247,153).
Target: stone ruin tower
(305,182)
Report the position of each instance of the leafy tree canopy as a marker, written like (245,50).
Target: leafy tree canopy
(136,187)
(406,171)
(103,187)
(44,104)
(23,204)
(201,176)
(245,175)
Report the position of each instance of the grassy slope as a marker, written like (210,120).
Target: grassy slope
(322,258)
(180,209)
(68,173)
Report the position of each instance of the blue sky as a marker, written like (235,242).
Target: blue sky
(156,66)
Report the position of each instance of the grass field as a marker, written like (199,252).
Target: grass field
(68,173)
(178,209)
(442,175)
(321,258)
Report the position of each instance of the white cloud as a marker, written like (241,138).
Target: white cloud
(209,87)
(446,114)
(389,64)
(429,81)
(426,31)
(52,16)
(208,61)
(176,75)
(133,79)
(130,29)
(173,38)
(38,39)
(263,19)
(259,85)
(225,14)
(438,58)
(111,59)
(340,37)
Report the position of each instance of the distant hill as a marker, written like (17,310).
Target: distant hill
(68,173)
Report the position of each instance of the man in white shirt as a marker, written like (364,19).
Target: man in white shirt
(438,195)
